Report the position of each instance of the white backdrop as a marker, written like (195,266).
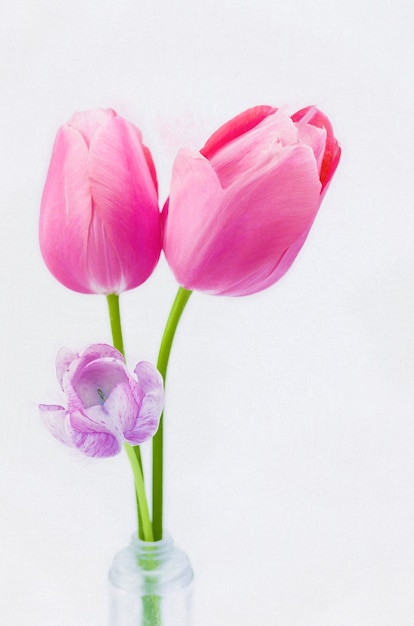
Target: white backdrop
(290,431)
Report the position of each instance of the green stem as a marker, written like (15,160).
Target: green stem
(177,308)
(133,452)
(144,516)
(115,319)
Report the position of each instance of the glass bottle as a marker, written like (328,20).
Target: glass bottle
(150,585)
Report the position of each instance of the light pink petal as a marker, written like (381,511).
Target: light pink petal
(66,211)
(88,122)
(315,138)
(124,239)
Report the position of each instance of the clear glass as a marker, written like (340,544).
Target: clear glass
(150,585)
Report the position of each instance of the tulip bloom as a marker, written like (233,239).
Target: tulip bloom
(240,209)
(106,406)
(100,226)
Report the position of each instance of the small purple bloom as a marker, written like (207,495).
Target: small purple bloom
(106,406)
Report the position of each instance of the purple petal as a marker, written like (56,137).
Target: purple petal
(121,409)
(151,385)
(64,359)
(101,350)
(96,444)
(55,419)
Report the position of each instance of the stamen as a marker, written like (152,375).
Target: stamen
(101,395)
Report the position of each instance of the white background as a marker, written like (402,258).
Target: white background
(290,426)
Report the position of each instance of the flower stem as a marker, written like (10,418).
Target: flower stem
(177,308)
(134,454)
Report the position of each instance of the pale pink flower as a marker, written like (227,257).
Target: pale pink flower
(240,209)
(106,405)
(99,221)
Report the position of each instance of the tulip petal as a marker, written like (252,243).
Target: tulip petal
(151,387)
(103,350)
(96,444)
(254,223)
(106,405)
(100,226)
(235,127)
(66,211)
(55,419)
(63,361)
(313,116)
(124,239)
(195,190)
(120,409)
(263,146)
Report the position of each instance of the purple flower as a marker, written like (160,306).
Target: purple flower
(106,406)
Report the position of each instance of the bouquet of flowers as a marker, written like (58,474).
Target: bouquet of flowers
(238,213)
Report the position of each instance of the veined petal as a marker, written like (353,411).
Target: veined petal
(55,419)
(151,392)
(93,419)
(96,444)
(149,379)
(121,409)
(64,359)
(103,350)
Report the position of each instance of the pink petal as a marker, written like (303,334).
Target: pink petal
(124,239)
(237,245)
(313,116)
(88,122)
(195,192)
(235,127)
(66,211)
(260,148)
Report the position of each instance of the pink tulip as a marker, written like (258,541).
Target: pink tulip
(100,222)
(106,405)
(240,209)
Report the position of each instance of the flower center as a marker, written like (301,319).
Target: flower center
(102,396)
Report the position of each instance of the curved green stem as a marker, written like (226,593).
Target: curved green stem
(177,308)
(145,523)
(134,454)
